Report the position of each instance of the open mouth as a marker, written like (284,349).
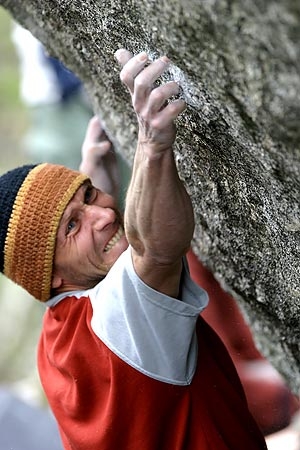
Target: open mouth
(114,239)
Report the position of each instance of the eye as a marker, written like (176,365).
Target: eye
(71,226)
(90,194)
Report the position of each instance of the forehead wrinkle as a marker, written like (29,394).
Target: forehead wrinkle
(70,210)
(78,197)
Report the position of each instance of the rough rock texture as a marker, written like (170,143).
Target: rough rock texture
(238,64)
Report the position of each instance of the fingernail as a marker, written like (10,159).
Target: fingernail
(142,57)
(118,52)
(165,59)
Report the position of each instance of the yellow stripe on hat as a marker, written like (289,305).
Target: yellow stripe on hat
(37,210)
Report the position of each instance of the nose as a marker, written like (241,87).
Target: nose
(99,216)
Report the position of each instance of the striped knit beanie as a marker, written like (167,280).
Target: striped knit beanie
(32,201)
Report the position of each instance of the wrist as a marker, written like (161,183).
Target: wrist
(154,151)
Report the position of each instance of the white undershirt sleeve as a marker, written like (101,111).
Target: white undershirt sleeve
(152,332)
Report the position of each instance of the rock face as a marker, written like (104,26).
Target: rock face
(238,65)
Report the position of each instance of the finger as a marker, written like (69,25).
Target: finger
(151,73)
(94,153)
(94,130)
(101,149)
(123,56)
(132,68)
(176,107)
(169,114)
(144,82)
(160,95)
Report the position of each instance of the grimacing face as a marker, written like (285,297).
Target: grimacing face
(89,240)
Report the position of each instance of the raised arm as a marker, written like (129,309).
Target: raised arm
(159,220)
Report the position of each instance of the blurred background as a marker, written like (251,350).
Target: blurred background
(17,343)
(13,114)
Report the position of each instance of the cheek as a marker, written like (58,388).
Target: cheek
(72,256)
(86,245)
(88,252)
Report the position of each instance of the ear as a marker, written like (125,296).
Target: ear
(57,282)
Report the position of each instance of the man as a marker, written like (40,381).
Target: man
(124,358)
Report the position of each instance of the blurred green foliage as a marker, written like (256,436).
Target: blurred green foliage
(9,97)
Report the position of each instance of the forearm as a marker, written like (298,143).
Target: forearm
(159,217)
(159,221)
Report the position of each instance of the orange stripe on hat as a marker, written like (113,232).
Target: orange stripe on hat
(33,224)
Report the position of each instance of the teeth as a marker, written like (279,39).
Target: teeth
(114,239)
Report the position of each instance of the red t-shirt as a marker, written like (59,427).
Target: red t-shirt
(102,403)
